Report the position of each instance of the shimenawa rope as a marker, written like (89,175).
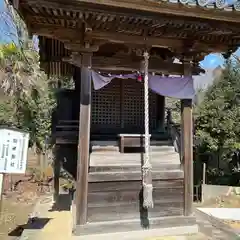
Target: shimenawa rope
(146,168)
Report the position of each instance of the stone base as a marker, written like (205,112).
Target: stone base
(170,226)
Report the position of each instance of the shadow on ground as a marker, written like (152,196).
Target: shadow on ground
(34,223)
(63,203)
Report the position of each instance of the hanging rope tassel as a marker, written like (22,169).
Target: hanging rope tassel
(146,168)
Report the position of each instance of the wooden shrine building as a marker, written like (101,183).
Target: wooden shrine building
(110,37)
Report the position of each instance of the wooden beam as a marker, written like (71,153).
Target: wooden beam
(187,149)
(74,36)
(83,142)
(155,6)
(146,8)
(77,47)
(69,35)
(97,22)
(125,64)
(51,31)
(137,40)
(158,26)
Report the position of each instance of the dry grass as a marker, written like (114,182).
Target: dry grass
(233,224)
(16,208)
(231,201)
(199,236)
(13,216)
(17,205)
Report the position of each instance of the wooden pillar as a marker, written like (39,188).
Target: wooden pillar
(182,139)
(77,93)
(84,141)
(160,113)
(57,168)
(187,140)
(188,156)
(77,78)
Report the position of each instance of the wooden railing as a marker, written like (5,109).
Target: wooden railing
(175,134)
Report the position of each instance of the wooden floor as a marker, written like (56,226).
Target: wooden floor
(115,195)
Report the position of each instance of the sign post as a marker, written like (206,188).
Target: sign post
(13,153)
(1,190)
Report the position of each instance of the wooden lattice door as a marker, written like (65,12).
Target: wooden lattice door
(133,107)
(119,108)
(106,108)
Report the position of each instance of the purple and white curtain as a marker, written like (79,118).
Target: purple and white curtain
(175,87)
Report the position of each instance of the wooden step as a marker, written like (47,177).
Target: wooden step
(67,127)
(124,161)
(70,134)
(163,148)
(136,225)
(133,167)
(128,163)
(123,200)
(104,143)
(133,185)
(116,143)
(66,133)
(132,159)
(115,158)
(134,175)
(96,213)
(105,149)
(161,195)
(136,154)
(157,162)
(161,142)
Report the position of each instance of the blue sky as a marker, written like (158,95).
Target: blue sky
(3,26)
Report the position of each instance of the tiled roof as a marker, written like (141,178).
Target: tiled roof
(227,5)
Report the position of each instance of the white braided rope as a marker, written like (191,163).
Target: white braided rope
(146,168)
(146,110)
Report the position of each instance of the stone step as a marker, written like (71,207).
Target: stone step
(134,229)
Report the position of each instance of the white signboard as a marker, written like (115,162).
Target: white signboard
(13,150)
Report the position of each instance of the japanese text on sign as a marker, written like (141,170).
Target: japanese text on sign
(13,151)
